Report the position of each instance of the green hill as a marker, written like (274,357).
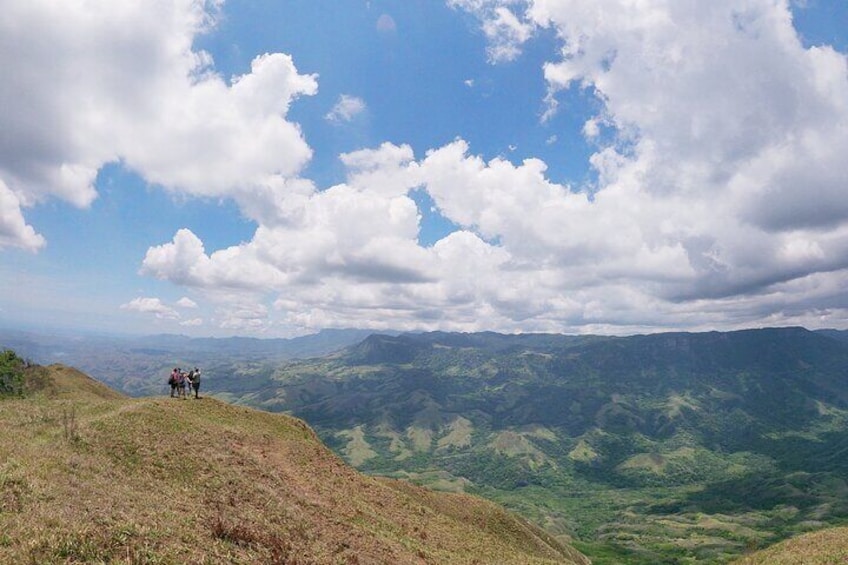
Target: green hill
(90,476)
(826,547)
(669,448)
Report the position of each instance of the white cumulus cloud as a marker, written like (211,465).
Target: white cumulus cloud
(346,109)
(142,96)
(718,196)
(505,30)
(186,302)
(14,231)
(148,305)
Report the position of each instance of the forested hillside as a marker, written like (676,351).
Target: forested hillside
(662,448)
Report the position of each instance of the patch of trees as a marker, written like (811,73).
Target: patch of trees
(11,374)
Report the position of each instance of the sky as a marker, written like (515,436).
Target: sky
(272,168)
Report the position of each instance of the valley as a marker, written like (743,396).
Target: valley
(673,448)
(667,448)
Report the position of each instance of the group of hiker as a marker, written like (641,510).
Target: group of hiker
(180,382)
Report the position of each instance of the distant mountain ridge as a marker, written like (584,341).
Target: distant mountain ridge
(666,447)
(320,343)
(138,366)
(673,448)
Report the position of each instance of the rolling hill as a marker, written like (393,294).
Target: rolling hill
(825,547)
(90,476)
(668,448)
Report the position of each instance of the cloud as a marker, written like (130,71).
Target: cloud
(390,169)
(386,24)
(184,261)
(505,31)
(244,317)
(725,161)
(14,231)
(350,256)
(346,109)
(143,97)
(591,129)
(153,306)
(185,251)
(186,302)
(365,229)
(161,311)
(717,197)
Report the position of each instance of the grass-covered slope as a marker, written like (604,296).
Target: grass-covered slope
(826,547)
(89,476)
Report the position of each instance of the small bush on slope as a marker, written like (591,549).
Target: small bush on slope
(11,374)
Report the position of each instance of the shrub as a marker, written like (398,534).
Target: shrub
(11,374)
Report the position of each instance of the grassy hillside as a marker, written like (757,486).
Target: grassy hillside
(89,476)
(827,547)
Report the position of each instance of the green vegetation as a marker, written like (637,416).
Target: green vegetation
(827,547)
(11,374)
(90,476)
(674,448)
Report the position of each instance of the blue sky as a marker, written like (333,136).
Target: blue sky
(251,167)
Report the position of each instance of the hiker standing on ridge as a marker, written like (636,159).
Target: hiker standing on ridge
(187,383)
(173,380)
(195,381)
(181,377)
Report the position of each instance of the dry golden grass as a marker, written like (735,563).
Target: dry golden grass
(89,476)
(825,547)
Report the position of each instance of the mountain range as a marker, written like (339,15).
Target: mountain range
(665,448)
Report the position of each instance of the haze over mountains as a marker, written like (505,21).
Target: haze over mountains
(667,448)
(138,365)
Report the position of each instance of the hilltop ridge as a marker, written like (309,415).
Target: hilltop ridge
(88,475)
